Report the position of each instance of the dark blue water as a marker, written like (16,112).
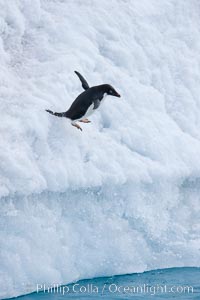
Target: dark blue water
(175,283)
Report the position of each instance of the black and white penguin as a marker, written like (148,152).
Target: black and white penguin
(87,102)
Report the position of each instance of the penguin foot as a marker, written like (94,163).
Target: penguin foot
(77,126)
(85,121)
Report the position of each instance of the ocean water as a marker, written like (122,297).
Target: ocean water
(173,283)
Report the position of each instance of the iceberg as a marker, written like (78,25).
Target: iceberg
(123,195)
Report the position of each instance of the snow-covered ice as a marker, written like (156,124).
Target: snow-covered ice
(123,195)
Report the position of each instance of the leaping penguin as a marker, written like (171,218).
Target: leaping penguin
(87,102)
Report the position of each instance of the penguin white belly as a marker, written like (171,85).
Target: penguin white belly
(88,113)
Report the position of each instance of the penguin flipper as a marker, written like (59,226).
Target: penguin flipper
(96,104)
(85,85)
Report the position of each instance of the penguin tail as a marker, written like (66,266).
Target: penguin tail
(55,113)
(49,111)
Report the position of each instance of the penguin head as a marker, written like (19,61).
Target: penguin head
(111,91)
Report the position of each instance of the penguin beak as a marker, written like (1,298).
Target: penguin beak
(117,95)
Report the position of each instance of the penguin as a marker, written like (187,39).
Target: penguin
(86,103)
